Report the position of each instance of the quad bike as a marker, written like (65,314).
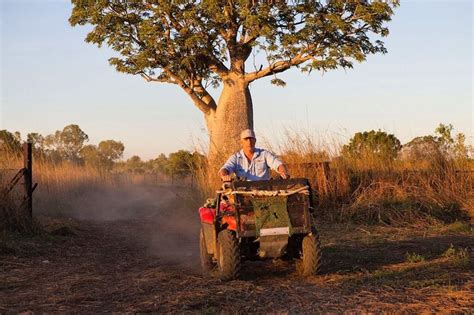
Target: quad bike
(259,220)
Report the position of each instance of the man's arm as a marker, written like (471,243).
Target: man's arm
(228,168)
(276,164)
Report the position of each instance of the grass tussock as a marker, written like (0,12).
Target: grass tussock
(458,256)
(414,257)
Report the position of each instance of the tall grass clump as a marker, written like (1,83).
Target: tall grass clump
(207,180)
(62,183)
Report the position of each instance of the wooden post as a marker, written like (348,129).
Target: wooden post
(28,186)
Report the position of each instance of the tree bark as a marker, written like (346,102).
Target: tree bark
(233,114)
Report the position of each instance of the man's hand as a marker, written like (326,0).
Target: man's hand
(224,174)
(283,172)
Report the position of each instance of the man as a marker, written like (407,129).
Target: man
(252,163)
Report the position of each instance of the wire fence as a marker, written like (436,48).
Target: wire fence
(16,186)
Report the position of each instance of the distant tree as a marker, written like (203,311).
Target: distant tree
(135,164)
(180,163)
(17,136)
(91,156)
(202,44)
(52,144)
(452,147)
(72,140)
(67,143)
(460,149)
(9,142)
(437,147)
(421,148)
(444,137)
(160,165)
(377,144)
(110,151)
(37,141)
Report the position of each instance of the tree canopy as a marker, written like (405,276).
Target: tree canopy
(373,143)
(104,155)
(66,145)
(10,142)
(197,44)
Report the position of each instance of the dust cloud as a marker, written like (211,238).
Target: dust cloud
(161,218)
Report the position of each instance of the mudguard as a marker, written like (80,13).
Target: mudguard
(207,215)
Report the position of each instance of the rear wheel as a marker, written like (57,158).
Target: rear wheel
(229,256)
(310,258)
(206,260)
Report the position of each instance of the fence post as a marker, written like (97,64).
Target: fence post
(28,186)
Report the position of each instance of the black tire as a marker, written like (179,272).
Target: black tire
(206,260)
(229,256)
(309,263)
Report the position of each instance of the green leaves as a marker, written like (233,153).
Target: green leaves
(278,82)
(190,39)
(372,143)
(104,155)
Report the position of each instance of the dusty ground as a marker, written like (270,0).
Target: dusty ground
(141,255)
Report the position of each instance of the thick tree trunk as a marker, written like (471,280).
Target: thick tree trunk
(234,113)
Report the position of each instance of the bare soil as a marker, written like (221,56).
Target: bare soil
(147,261)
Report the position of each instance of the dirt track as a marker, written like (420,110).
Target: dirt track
(150,263)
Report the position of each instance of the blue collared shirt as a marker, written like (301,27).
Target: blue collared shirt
(257,169)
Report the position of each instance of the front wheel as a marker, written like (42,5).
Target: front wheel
(206,260)
(229,256)
(310,258)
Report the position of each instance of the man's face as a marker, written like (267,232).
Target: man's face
(248,143)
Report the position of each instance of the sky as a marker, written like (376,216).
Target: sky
(51,78)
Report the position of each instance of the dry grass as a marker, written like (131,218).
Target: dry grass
(64,188)
(371,190)
(111,267)
(58,184)
(367,190)
(384,267)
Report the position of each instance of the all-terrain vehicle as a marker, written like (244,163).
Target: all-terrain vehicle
(259,220)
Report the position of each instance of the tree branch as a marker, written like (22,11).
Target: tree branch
(277,67)
(156,79)
(216,66)
(205,103)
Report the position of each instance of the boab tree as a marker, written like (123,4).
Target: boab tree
(199,44)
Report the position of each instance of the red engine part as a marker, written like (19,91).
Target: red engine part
(207,215)
(231,223)
(228,208)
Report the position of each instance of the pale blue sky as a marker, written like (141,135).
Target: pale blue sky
(50,78)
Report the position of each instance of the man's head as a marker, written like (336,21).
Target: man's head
(247,139)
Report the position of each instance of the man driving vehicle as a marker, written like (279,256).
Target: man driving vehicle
(252,163)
